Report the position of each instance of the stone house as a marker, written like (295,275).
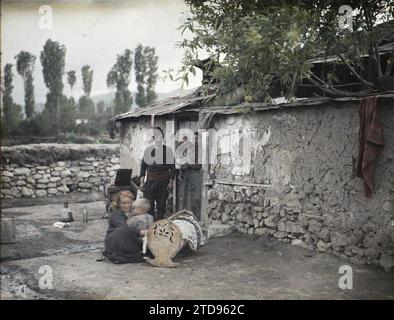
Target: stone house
(287,170)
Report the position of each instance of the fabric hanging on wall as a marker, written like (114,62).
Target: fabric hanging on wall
(370,142)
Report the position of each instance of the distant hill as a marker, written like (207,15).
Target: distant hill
(106,97)
(174,93)
(109,96)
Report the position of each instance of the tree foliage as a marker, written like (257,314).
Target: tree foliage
(71,79)
(53,59)
(61,114)
(25,62)
(103,114)
(87,79)
(255,44)
(68,114)
(140,71)
(85,104)
(119,78)
(85,107)
(145,68)
(11,114)
(100,108)
(7,97)
(151,60)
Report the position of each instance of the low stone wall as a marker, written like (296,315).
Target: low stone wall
(69,168)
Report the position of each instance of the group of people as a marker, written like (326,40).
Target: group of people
(128,223)
(127,228)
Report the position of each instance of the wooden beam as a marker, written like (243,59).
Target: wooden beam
(245,184)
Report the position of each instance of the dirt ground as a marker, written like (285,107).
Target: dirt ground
(233,267)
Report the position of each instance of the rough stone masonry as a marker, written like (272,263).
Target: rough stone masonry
(60,169)
(300,184)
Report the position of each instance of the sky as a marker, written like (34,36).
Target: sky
(94,32)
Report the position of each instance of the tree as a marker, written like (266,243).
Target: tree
(90,124)
(52,59)
(257,44)
(71,79)
(30,127)
(67,113)
(100,108)
(7,93)
(101,116)
(86,108)
(119,77)
(11,111)
(145,68)
(25,66)
(87,79)
(85,104)
(140,71)
(151,59)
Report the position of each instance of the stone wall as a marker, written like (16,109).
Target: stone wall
(60,169)
(300,184)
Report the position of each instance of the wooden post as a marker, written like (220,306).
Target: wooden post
(205,159)
(8,230)
(171,129)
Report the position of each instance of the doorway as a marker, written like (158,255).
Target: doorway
(189,176)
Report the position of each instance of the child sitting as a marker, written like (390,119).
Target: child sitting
(139,219)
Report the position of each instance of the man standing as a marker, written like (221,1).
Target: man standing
(158,163)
